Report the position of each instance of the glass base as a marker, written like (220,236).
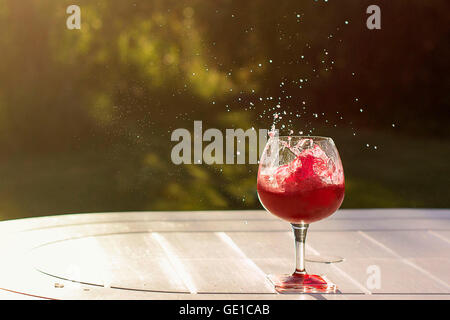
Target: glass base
(324,259)
(302,283)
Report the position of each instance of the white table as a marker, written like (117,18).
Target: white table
(389,254)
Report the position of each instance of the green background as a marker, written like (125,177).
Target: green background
(86,115)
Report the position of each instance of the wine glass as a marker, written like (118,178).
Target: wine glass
(301,180)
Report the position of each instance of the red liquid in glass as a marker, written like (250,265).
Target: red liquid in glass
(304,191)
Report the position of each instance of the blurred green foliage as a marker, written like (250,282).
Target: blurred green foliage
(86,115)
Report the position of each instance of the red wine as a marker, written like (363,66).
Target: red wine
(308,189)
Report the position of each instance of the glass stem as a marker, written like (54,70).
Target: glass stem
(300,238)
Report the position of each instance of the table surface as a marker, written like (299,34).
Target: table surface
(388,254)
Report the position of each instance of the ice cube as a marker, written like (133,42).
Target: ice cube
(282,174)
(305,144)
(312,168)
